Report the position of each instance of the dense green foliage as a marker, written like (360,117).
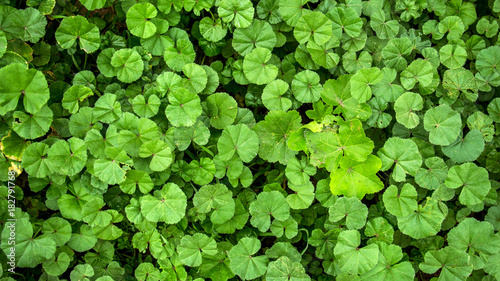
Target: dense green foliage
(241,139)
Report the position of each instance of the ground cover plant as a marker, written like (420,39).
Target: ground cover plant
(249,140)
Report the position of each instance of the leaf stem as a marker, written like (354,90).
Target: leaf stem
(75,63)
(207,150)
(85,62)
(213,17)
(307,240)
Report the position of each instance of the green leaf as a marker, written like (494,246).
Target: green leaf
(180,54)
(273,96)
(405,156)
(389,266)
(74,96)
(268,204)
(452,56)
(298,172)
(84,240)
(487,61)
(306,87)
(128,65)
(26,24)
(191,248)
(362,81)
(109,169)
(35,161)
(196,77)
(259,34)
(472,179)
(201,172)
(345,20)
(424,222)
(465,149)
(434,175)
(315,26)
(285,269)
(291,10)
(67,157)
(473,234)
(454,264)
(443,124)
(274,134)
(184,107)
(167,205)
(355,179)
(78,28)
(255,68)
(240,140)
(419,71)
(351,209)
(352,258)
(34,125)
(29,251)
(328,148)
(160,153)
(107,109)
(401,202)
(240,13)
(19,81)
(138,20)
(93,5)
(146,108)
(212,30)
(405,107)
(244,263)
(222,110)
(303,197)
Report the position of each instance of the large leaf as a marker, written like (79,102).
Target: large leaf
(240,140)
(166,205)
(78,28)
(352,258)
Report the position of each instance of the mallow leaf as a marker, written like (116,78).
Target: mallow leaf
(191,248)
(128,65)
(313,26)
(238,140)
(424,222)
(256,69)
(78,28)
(19,81)
(405,107)
(244,263)
(286,269)
(402,201)
(238,12)
(352,258)
(268,204)
(138,19)
(454,264)
(465,149)
(443,124)
(405,156)
(351,209)
(184,107)
(166,205)
(355,179)
(473,181)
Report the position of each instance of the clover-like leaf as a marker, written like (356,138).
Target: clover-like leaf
(389,266)
(239,12)
(222,110)
(345,20)
(405,107)
(128,65)
(351,209)
(352,258)
(286,269)
(19,81)
(355,179)
(400,202)
(184,107)
(160,153)
(274,132)
(454,264)
(256,69)
(34,125)
(167,205)
(240,140)
(75,95)
(259,34)
(78,28)
(443,124)
(244,263)
(472,179)
(425,221)
(268,204)
(180,54)
(306,87)
(67,157)
(138,19)
(328,148)
(315,26)
(273,96)
(405,156)
(420,71)
(191,248)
